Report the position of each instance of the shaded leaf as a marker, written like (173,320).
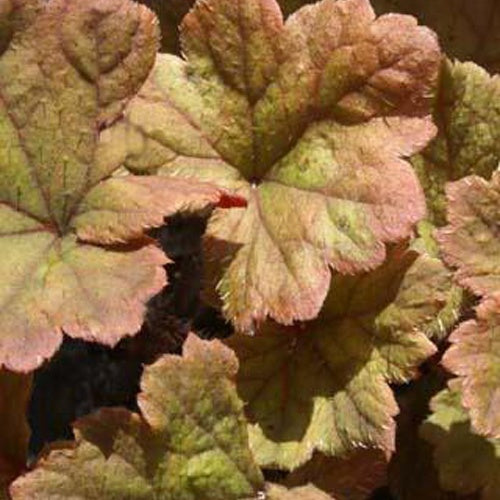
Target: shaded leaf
(317,112)
(467,30)
(15,391)
(412,474)
(189,443)
(467,462)
(471,240)
(65,75)
(323,385)
(352,477)
(475,356)
(467,113)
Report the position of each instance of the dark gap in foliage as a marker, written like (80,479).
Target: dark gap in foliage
(84,376)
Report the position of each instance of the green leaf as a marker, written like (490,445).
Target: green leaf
(324,385)
(467,113)
(15,392)
(474,355)
(470,242)
(190,443)
(73,255)
(467,462)
(353,477)
(467,30)
(310,121)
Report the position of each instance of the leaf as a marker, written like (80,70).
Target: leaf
(470,242)
(310,121)
(412,474)
(73,255)
(467,30)
(190,442)
(323,386)
(474,356)
(15,392)
(352,477)
(309,492)
(466,461)
(467,113)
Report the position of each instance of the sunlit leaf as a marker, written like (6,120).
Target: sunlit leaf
(189,443)
(324,385)
(467,30)
(67,68)
(467,113)
(471,241)
(474,355)
(310,121)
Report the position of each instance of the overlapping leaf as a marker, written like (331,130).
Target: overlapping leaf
(310,120)
(467,113)
(475,357)
(353,477)
(190,442)
(471,241)
(324,385)
(467,463)
(15,390)
(66,70)
(467,30)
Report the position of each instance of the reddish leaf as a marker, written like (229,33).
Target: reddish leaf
(67,68)
(352,477)
(471,241)
(309,120)
(474,356)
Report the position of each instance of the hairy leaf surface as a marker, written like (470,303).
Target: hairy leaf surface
(475,356)
(323,385)
(67,69)
(310,121)
(471,241)
(189,443)
(467,462)
(467,113)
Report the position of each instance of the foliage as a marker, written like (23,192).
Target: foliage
(347,170)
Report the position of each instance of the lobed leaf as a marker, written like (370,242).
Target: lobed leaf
(474,356)
(190,442)
(467,30)
(467,462)
(74,258)
(470,242)
(310,121)
(324,386)
(467,113)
